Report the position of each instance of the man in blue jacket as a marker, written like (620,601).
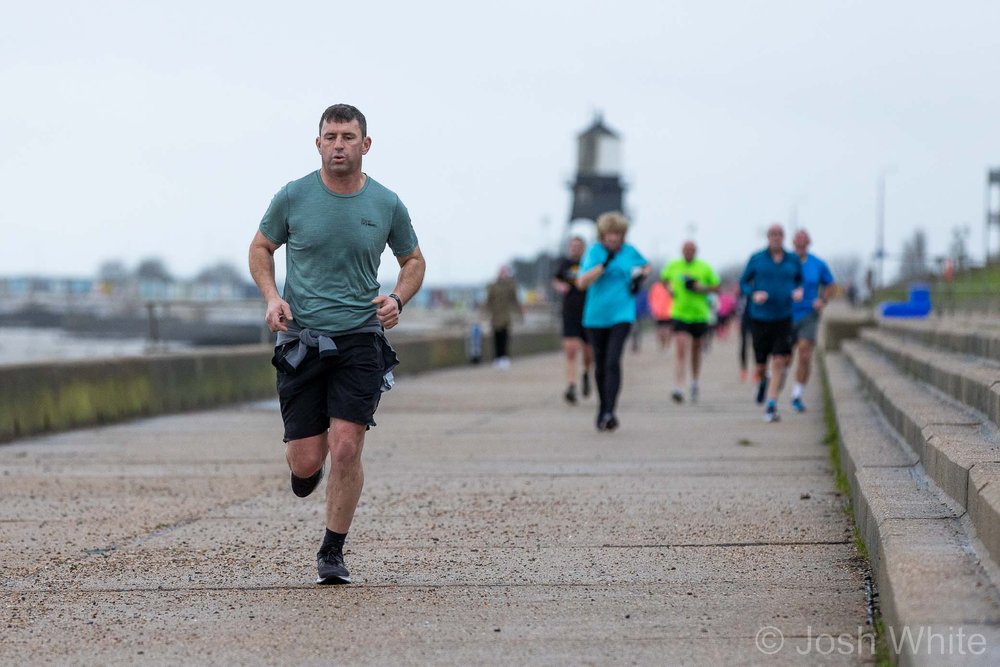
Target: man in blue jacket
(772,282)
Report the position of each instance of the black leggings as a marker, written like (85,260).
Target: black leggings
(500,343)
(608,346)
(744,338)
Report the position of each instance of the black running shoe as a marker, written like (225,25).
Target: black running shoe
(762,389)
(331,568)
(303,486)
(585,385)
(677,395)
(570,394)
(604,421)
(612,423)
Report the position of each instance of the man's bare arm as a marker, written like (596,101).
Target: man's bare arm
(411,277)
(262,271)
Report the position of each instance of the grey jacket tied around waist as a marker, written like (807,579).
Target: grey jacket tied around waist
(326,342)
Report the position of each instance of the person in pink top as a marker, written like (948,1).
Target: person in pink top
(725,309)
(660,303)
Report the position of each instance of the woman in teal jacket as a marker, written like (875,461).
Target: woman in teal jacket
(611,272)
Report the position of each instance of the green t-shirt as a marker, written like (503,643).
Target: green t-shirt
(334,245)
(689,306)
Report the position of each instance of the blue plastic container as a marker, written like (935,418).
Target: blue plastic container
(918,305)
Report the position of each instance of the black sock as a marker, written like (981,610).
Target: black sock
(333,540)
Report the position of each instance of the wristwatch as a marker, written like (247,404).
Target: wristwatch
(399,302)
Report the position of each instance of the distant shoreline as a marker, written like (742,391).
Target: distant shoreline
(32,344)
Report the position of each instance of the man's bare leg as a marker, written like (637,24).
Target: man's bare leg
(571,347)
(695,366)
(347,474)
(305,459)
(682,341)
(803,350)
(779,364)
(343,490)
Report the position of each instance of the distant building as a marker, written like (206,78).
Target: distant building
(598,187)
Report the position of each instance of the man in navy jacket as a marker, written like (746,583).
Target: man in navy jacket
(772,281)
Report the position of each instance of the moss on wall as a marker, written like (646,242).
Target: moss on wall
(57,396)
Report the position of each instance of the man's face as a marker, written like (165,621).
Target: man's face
(341,147)
(575,249)
(775,237)
(800,242)
(688,250)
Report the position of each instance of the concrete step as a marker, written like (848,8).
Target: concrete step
(978,336)
(927,567)
(958,448)
(948,437)
(969,379)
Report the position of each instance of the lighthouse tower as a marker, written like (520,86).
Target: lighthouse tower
(598,187)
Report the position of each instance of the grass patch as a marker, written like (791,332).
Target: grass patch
(882,656)
(832,441)
(975,289)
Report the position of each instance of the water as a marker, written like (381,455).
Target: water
(25,345)
(29,344)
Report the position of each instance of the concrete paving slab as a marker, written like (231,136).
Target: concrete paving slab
(497,525)
(592,624)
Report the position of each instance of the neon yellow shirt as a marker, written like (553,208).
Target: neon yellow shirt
(689,306)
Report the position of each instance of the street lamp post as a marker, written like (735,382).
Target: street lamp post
(880,227)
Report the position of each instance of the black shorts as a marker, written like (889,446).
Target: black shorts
(696,329)
(771,337)
(665,324)
(572,323)
(347,385)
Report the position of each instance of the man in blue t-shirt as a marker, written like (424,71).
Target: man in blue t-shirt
(332,356)
(772,282)
(817,288)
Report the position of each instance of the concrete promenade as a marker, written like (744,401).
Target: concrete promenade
(497,526)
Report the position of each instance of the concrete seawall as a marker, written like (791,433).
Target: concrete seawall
(55,396)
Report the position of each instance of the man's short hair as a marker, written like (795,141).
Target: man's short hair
(343,113)
(611,222)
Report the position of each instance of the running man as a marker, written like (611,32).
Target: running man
(574,339)
(332,356)
(690,281)
(772,280)
(817,288)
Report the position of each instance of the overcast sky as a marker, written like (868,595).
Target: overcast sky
(130,130)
